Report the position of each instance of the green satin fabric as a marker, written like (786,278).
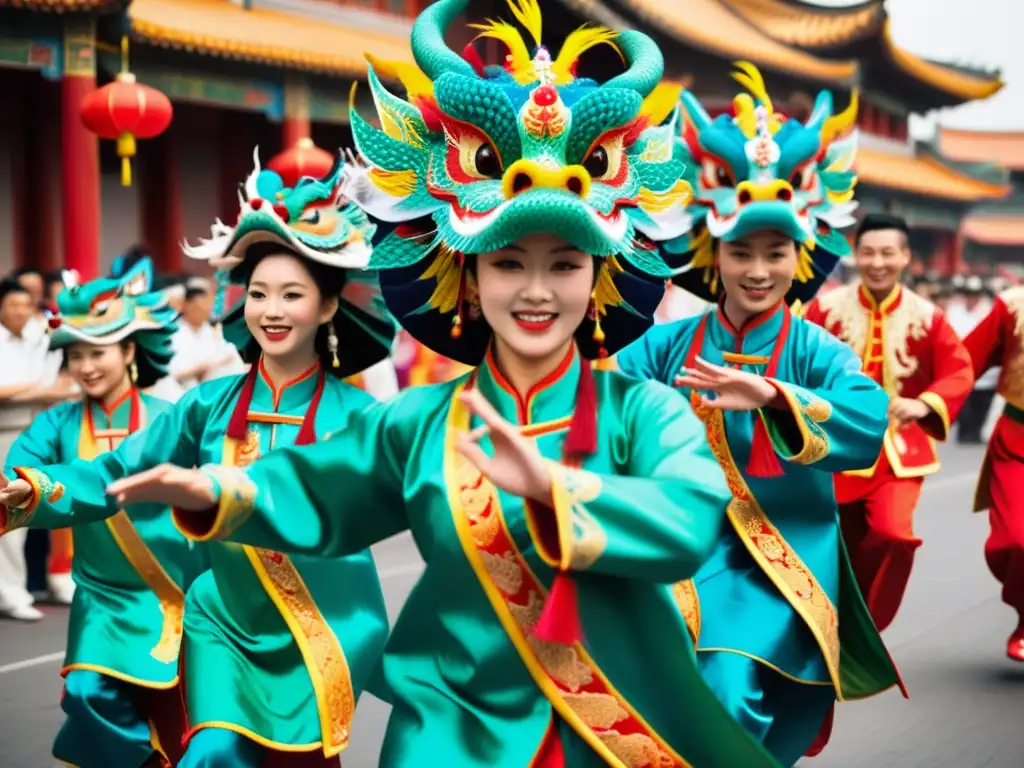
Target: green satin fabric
(104,725)
(741,609)
(461,693)
(242,664)
(115,619)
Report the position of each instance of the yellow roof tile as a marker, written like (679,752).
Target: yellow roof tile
(219,28)
(921,175)
(946,79)
(1003,147)
(994,230)
(710,25)
(810,27)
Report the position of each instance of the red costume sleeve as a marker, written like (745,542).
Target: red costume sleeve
(986,344)
(812,313)
(953,382)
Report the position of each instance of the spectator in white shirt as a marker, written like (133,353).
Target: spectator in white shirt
(200,350)
(30,380)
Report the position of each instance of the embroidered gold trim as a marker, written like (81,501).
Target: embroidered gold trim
(566,675)
(688,602)
(773,554)
(141,558)
(808,412)
(321,651)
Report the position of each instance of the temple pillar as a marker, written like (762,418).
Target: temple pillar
(14,134)
(296,124)
(80,156)
(160,201)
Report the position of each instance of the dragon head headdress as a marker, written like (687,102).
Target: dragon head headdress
(755,170)
(478,157)
(312,219)
(115,308)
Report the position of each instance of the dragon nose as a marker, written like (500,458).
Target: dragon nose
(524,175)
(750,192)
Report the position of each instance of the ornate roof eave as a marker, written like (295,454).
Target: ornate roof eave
(988,229)
(66,6)
(924,175)
(1005,148)
(942,85)
(711,27)
(809,26)
(219,28)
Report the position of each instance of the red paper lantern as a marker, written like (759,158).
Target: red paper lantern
(304,159)
(125,110)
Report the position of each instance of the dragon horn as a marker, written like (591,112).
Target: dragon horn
(431,52)
(646,64)
(695,111)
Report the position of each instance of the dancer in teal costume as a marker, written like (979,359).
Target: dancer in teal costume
(779,624)
(120,671)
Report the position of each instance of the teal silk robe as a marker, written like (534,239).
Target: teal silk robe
(779,587)
(472,687)
(131,570)
(276,648)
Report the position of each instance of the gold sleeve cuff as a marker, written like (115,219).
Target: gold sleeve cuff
(808,412)
(567,537)
(235,505)
(43,488)
(938,405)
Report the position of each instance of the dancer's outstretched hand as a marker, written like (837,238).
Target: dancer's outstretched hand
(735,390)
(517,466)
(187,489)
(14,493)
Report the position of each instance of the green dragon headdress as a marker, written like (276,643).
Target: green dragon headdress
(478,157)
(312,219)
(115,308)
(755,170)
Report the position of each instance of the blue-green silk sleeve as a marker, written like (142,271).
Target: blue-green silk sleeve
(75,493)
(836,421)
(646,358)
(332,498)
(40,443)
(658,519)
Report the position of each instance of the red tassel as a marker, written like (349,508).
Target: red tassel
(763,461)
(239,424)
(559,622)
(582,437)
(307,432)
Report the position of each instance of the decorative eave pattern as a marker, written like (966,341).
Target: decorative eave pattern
(1003,147)
(62,6)
(811,27)
(711,26)
(994,230)
(219,28)
(922,176)
(949,80)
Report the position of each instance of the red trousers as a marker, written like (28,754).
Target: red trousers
(1003,480)
(877,515)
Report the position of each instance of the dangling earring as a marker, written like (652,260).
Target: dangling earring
(460,297)
(133,372)
(332,344)
(598,336)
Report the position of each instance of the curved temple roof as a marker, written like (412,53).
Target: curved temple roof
(220,28)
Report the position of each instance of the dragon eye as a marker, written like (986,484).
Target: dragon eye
(310,217)
(101,309)
(716,175)
(597,162)
(802,178)
(486,161)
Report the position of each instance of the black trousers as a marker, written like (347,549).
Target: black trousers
(973,415)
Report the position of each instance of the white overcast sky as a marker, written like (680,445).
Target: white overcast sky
(979,32)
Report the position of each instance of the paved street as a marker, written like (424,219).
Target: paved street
(948,640)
